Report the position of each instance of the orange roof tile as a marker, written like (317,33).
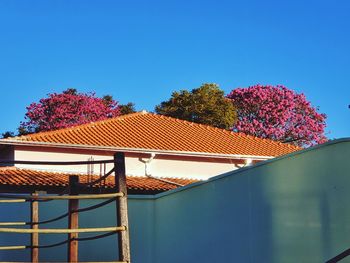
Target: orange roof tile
(156,132)
(18,177)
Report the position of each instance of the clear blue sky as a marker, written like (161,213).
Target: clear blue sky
(141,51)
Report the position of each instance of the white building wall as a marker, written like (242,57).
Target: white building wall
(189,169)
(37,154)
(161,165)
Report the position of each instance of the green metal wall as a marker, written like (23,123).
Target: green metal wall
(291,209)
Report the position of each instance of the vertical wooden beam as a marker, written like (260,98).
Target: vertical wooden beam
(73,219)
(34,218)
(122,207)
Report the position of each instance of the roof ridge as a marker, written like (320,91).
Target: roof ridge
(107,120)
(8,168)
(143,130)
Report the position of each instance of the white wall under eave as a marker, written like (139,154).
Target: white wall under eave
(197,169)
(160,166)
(52,154)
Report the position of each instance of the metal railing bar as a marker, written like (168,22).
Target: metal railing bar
(95,237)
(54,162)
(94,206)
(98,180)
(12,247)
(49,246)
(62,197)
(61,231)
(14,201)
(58,243)
(49,220)
(13,223)
(74,211)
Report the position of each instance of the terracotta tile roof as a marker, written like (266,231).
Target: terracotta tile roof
(18,177)
(156,132)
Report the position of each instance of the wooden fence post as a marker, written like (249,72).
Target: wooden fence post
(122,207)
(34,218)
(73,219)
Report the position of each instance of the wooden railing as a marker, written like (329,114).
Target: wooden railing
(72,195)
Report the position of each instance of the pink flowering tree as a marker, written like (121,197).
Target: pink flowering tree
(69,108)
(278,113)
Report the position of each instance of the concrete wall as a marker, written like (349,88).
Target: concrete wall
(291,209)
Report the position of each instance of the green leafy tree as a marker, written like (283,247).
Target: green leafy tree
(206,104)
(123,108)
(127,108)
(7,134)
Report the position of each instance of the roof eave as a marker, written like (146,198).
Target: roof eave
(133,150)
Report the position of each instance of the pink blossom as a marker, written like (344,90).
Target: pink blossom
(61,110)
(277,113)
